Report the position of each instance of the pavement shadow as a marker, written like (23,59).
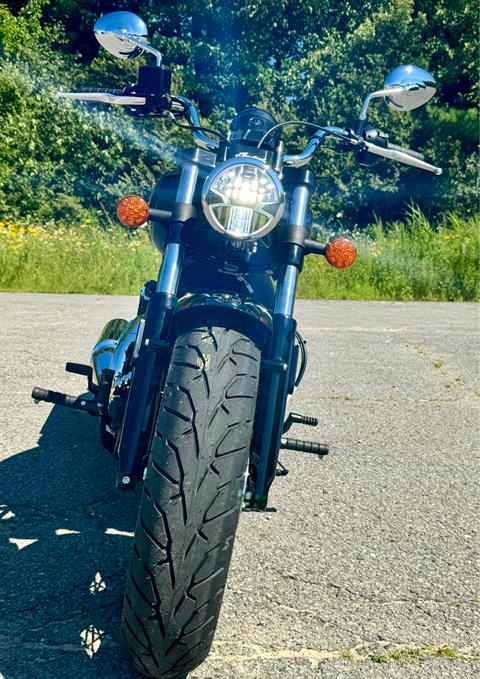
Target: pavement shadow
(65,541)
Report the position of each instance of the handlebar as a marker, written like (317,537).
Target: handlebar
(192,116)
(391,151)
(182,104)
(313,143)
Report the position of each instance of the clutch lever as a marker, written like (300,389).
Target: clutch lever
(105,98)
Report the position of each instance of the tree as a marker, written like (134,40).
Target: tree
(306,59)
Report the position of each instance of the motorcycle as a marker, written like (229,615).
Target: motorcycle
(191,394)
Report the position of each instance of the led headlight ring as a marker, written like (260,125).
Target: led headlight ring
(243,199)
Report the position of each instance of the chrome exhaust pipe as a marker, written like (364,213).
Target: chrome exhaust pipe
(104,349)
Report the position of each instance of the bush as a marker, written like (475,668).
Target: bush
(408,261)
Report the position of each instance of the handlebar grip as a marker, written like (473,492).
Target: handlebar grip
(102,90)
(409,152)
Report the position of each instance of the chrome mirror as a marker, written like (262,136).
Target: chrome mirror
(416,85)
(124,35)
(405,88)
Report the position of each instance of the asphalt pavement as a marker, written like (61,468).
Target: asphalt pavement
(369,567)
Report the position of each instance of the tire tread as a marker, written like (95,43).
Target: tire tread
(191,500)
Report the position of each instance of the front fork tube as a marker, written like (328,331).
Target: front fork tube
(284,327)
(157,321)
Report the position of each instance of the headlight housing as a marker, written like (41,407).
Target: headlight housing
(243,199)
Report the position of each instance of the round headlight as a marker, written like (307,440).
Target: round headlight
(243,199)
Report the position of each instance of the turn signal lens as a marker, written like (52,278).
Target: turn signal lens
(340,253)
(132,211)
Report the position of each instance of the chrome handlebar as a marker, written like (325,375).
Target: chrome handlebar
(313,143)
(393,154)
(296,160)
(192,116)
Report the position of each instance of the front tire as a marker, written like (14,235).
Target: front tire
(191,500)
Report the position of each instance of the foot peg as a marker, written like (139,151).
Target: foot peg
(295,418)
(301,446)
(75,402)
(86,370)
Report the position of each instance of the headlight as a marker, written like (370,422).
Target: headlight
(243,199)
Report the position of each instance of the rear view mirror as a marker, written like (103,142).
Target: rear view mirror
(417,84)
(124,35)
(405,88)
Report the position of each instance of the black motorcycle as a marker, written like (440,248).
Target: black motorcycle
(191,394)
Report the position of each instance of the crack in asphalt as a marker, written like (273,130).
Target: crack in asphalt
(361,651)
(402,503)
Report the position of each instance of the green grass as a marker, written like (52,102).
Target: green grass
(404,261)
(409,260)
(405,654)
(84,259)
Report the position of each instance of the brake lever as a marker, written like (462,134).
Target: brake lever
(400,157)
(357,143)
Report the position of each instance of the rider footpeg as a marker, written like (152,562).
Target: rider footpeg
(296,418)
(302,446)
(60,399)
(82,369)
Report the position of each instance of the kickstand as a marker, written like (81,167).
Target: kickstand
(283,471)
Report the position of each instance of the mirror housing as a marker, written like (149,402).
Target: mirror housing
(417,84)
(124,35)
(405,88)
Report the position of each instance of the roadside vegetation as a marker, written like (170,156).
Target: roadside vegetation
(409,260)
(402,655)
(63,166)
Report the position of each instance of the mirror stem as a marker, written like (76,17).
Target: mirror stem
(146,47)
(388,91)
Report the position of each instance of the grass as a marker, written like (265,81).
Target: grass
(409,260)
(404,261)
(405,654)
(82,259)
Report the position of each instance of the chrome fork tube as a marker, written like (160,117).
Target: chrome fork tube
(140,404)
(186,186)
(170,270)
(171,265)
(284,327)
(285,297)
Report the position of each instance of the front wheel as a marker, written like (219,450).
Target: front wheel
(191,500)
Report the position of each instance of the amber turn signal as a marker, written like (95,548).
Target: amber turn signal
(340,253)
(132,211)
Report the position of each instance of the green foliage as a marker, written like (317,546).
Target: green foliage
(405,260)
(297,58)
(409,261)
(75,260)
(17,32)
